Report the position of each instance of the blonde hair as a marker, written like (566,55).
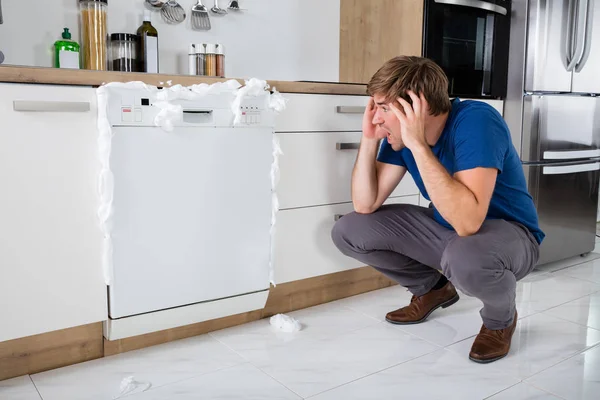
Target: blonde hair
(421,75)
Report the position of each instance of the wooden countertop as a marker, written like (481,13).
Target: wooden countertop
(56,76)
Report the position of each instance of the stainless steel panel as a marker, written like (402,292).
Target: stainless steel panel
(567,204)
(556,123)
(513,104)
(586,78)
(547,48)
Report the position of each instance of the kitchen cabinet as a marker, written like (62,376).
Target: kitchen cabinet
(303,245)
(50,241)
(373,31)
(319,137)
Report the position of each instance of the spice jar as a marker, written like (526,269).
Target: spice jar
(123,52)
(94,34)
(211,60)
(220,61)
(196,59)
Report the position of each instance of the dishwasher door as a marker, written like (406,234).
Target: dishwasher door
(191,216)
(566,197)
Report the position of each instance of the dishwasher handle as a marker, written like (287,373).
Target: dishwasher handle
(196,111)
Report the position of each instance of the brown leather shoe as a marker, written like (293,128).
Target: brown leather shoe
(420,307)
(492,345)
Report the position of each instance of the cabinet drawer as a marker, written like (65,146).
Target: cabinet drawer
(315,172)
(315,113)
(303,246)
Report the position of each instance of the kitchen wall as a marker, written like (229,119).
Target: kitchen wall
(273,39)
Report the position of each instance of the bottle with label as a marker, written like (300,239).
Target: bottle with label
(147,45)
(66,52)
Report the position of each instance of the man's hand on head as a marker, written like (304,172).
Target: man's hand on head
(412,120)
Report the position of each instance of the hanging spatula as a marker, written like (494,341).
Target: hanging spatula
(200,18)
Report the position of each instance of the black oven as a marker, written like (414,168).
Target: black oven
(469,39)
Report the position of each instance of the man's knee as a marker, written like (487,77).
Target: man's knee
(348,230)
(468,263)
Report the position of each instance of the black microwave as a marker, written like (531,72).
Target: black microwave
(469,39)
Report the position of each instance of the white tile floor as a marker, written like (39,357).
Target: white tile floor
(347,351)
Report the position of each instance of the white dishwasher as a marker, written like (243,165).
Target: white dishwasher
(188,230)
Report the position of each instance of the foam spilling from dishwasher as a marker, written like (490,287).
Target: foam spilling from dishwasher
(171,113)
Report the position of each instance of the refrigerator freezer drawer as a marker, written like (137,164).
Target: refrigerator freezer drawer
(566,197)
(554,125)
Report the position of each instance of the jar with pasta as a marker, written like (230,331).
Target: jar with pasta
(94,35)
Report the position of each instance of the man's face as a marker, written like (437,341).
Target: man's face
(387,123)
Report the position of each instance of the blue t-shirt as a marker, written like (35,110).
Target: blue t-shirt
(476,135)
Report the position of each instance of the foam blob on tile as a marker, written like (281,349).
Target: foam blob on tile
(285,323)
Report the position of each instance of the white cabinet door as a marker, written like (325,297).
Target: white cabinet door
(316,169)
(303,246)
(50,242)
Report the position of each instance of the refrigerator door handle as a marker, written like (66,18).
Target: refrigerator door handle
(571,155)
(580,31)
(571,169)
(588,35)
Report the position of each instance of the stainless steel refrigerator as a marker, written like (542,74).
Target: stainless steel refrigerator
(554,116)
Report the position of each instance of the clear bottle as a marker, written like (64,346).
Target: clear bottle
(66,52)
(220,61)
(94,34)
(148,45)
(211,60)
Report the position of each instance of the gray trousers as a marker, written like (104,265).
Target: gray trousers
(406,244)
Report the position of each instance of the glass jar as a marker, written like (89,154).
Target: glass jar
(200,59)
(211,60)
(220,53)
(94,34)
(123,55)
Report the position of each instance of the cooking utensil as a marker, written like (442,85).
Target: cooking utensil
(234,6)
(218,10)
(200,17)
(155,3)
(1,19)
(172,12)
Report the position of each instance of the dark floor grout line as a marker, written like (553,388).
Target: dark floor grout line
(35,386)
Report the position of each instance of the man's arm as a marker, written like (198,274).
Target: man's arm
(372,181)
(463,200)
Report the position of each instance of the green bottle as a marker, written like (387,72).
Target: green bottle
(66,52)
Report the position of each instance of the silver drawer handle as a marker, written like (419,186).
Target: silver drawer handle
(337,217)
(51,106)
(482,5)
(347,146)
(350,109)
